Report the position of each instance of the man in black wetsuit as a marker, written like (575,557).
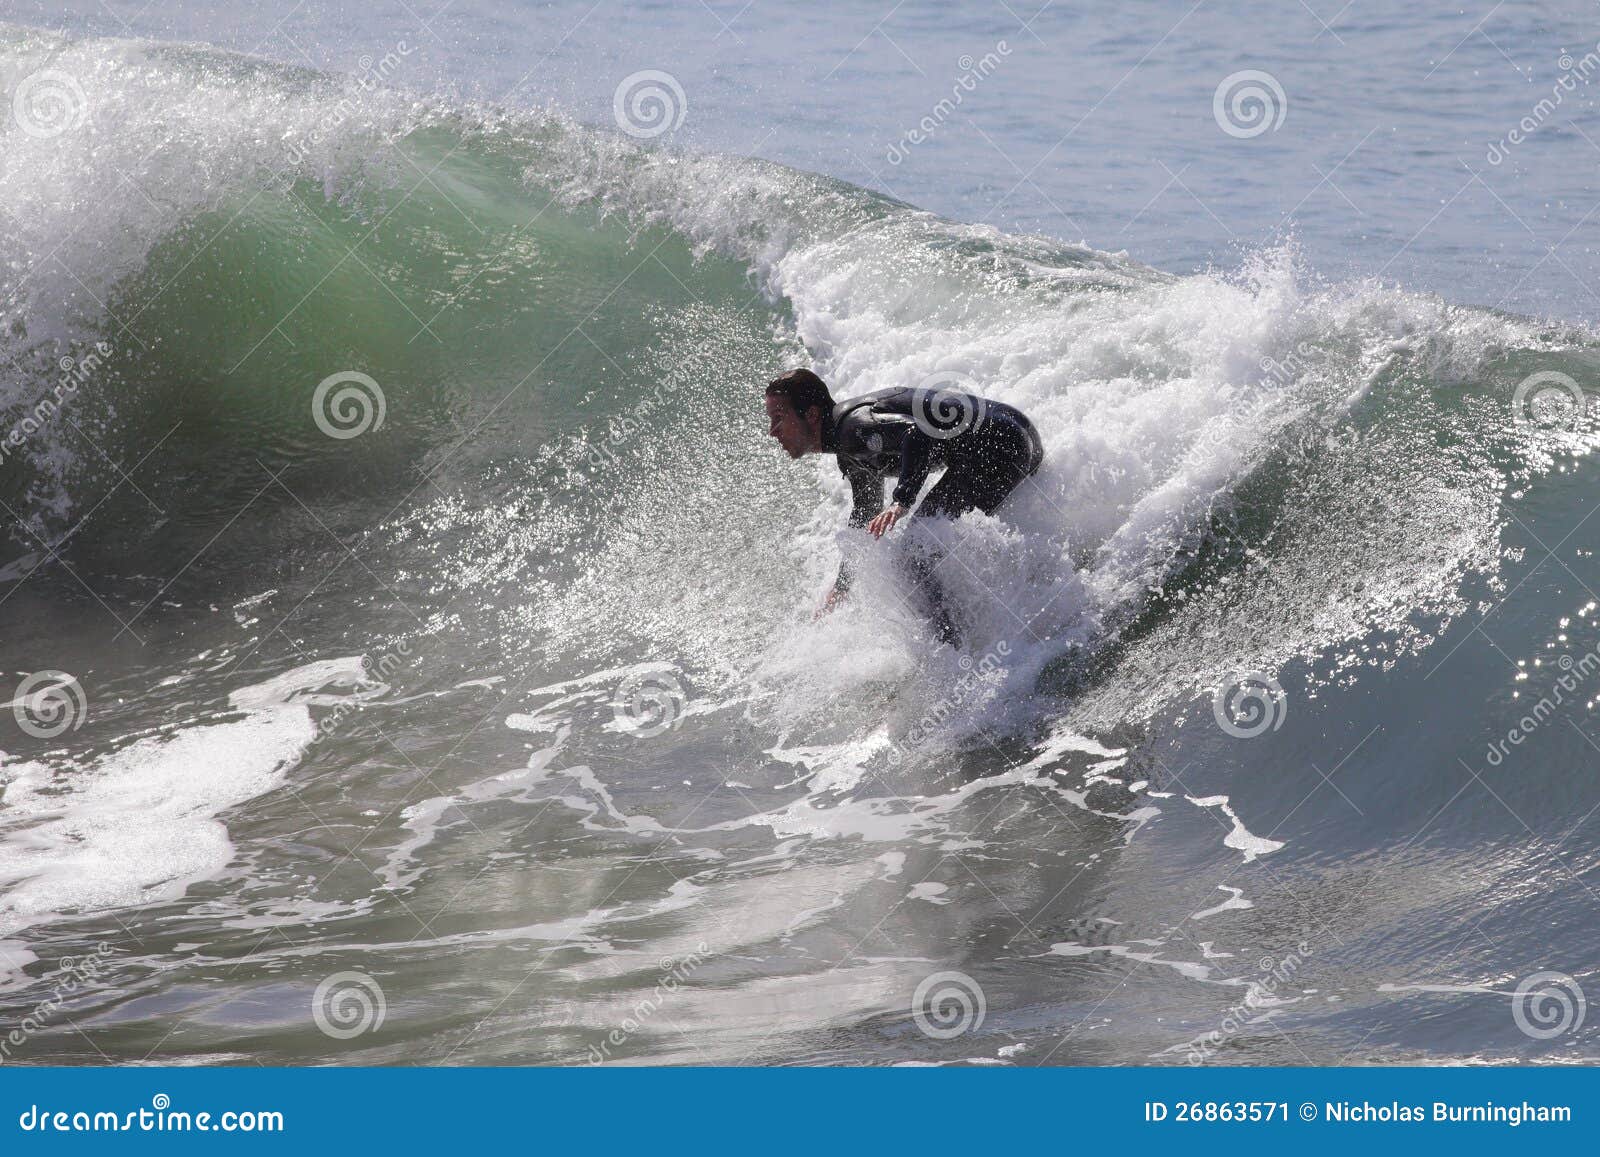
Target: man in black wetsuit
(987,448)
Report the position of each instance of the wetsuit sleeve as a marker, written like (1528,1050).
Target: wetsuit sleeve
(914,456)
(866,494)
(866,500)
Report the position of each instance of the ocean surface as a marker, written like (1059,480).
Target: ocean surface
(406,621)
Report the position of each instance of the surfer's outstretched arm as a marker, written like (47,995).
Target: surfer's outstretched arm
(866,502)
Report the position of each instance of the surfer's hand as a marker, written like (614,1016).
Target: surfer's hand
(828,604)
(882,524)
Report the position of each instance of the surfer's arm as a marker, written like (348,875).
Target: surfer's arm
(916,455)
(866,500)
(866,493)
(916,451)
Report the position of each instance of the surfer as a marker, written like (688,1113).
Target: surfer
(986,447)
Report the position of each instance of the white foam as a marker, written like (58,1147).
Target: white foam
(1236,900)
(15,957)
(1239,836)
(309,684)
(1463,989)
(139,822)
(1185,968)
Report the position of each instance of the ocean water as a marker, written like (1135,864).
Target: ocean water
(409,655)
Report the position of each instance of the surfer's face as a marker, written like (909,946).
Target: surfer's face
(794,433)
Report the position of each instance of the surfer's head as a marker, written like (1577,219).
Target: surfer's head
(798,406)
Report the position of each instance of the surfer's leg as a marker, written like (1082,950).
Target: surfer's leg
(952,496)
(920,560)
(979,478)
(997,462)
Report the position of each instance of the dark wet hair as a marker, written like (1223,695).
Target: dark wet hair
(803,389)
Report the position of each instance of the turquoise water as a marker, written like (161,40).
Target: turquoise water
(404,608)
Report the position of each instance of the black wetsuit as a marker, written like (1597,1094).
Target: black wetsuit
(986,447)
